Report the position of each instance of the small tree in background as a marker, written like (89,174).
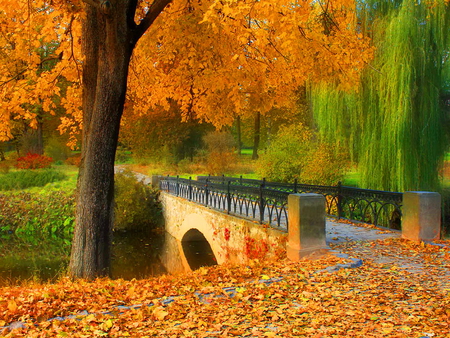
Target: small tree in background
(324,165)
(284,158)
(297,153)
(221,155)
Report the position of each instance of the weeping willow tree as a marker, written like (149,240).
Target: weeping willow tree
(394,124)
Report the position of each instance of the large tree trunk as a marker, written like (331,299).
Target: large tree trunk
(109,36)
(104,87)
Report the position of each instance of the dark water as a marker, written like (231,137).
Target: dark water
(134,255)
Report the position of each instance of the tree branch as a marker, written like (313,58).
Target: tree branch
(92,3)
(15,77)
(155,9)
(131,12)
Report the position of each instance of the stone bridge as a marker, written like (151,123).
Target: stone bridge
(228,238)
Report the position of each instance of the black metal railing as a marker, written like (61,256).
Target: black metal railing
(268,200)
(257,202)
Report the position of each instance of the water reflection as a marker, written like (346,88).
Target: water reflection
(134,255)
(31,266)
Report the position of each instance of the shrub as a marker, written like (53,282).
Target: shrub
(296,153)
(35,218)
(23,179)
(137,207)
(4,167)
(33,161)
(74,160)
(221,155)
(122,156)
(324,165)
(57,149)
(284,159)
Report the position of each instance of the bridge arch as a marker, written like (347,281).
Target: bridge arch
(197,250)
(195,227)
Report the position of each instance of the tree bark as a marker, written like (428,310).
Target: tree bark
(257,136)
(238,131)
(104,87)
(109,37)
(2,153)
(40,137)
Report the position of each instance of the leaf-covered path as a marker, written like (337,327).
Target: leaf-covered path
(400,290)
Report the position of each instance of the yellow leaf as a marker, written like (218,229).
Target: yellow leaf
(105,326)
(90,318)
(203,271)
(12,305)
(160,313)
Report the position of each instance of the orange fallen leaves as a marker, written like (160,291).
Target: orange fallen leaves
(378,299)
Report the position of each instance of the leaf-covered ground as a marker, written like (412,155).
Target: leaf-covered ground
(401,290)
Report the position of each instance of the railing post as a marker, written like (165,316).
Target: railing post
(261,204)
(177,187)
(190,188)
(240,180)
(339,200)
(264,182)
(295,186)
(229,196)
(421,215)
(306,231)
(206,192)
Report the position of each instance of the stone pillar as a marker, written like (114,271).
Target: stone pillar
(155,181)
(421,219)
(306,233)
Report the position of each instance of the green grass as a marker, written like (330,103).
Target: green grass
(68,184)
(351,178)
(22,179)
(447,157)
(246,152)
(68,180)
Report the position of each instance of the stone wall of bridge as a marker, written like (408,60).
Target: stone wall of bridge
(232,239)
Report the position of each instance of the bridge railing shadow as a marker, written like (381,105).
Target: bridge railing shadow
(267,201)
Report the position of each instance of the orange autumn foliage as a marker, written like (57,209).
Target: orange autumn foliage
(215,59)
